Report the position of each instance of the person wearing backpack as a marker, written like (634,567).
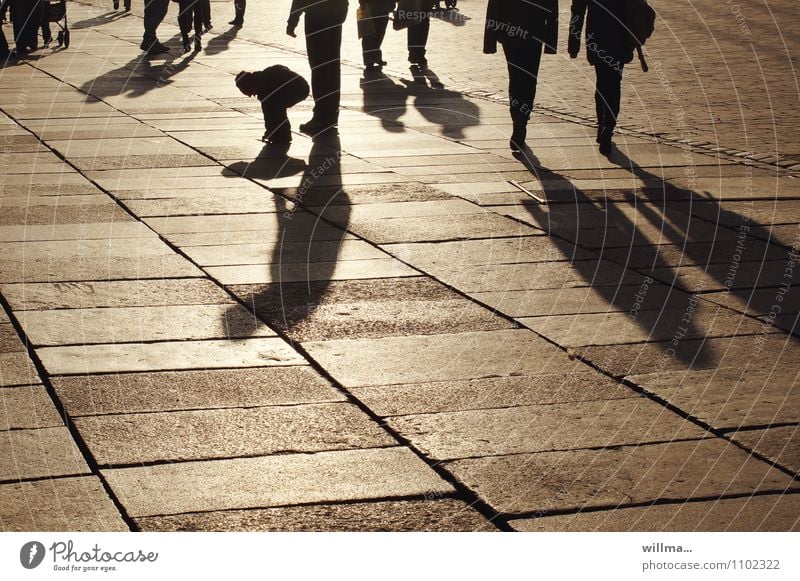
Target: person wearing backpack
(609,47)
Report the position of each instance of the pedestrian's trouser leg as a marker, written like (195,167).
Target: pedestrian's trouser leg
(418,35)
(523,70)
(198,17)
(323,29)
(608,93)
(154,13)
(185,19)
(239,6)
(276,121)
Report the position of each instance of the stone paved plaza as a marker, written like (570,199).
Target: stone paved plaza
(389,330)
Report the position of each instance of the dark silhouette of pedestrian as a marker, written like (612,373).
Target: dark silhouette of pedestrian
(239,8)
(278,88)
(418,35)
(27,16)
(323,30)
(127,4)
(522,27)
(376,19)
(191,13)
(154,13)
(609,47)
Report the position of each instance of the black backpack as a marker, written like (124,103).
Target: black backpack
(640,20)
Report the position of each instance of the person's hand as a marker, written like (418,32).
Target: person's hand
(290,30)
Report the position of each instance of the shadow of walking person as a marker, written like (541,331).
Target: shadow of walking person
(742,258)
(595,234)
(304,253)
(385,99)
(438,105)
(139,76)
(221,42)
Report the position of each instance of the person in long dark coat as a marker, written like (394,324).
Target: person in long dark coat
(609,47)
(523,27)
(323,30)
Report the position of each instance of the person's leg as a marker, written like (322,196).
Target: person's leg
(239,7)
(198,17)
(206,7)
(185,21)
(418,36)
(154,13)
(323,29)
(4,50)
(276,121)
(608,96)
(523,61)
(381,22)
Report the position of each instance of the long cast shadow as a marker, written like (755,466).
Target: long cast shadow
(305,252)
(580,220)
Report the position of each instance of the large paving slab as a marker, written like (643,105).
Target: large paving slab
(16,368)
(124,325)
(127,393)
(421,359)
(490,392)
(100,294)
(39,453)
(780,444)
(27,407)
(442,515)
(577,479)
(58,504)
(166,356)
(729,397)
(273,481)
(517,430)
(762,513)
(228,433)
(327,310)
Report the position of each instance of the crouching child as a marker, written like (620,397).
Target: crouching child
(278,88)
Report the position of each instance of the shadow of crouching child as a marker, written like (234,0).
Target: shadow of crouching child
(278,88)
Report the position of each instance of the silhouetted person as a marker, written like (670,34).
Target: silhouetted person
(418,35)
(377,13)
(27,16)
(278,88)
(609,46)
(154,13)
(191,13)
(323,29)
(522,27)
(127,5)
(239,8)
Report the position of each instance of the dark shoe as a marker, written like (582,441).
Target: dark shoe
(127,6)
(116,4)
(237,23)
(207,26)
(155,48)
(518,136)
(187,47)
(314,128)
(198,46)
(605,140)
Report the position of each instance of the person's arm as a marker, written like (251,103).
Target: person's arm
(492,24)
(576,27)
(298,7)
(551,35)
